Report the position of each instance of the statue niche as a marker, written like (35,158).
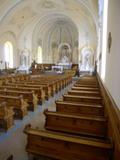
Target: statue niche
(64,53)
(24,58)
(65,56)
(24,61)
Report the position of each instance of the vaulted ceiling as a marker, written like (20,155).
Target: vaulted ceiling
(27,16)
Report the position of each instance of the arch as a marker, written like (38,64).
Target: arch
(24,57)
(8,49)
(52,32)
(64,51)
(87,57)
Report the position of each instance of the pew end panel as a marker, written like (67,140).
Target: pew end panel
(6,117)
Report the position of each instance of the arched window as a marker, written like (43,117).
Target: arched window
(39,55)
(8,48)
(104,40)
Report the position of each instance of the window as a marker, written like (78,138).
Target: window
(39,55)
(8,48)
(104,40)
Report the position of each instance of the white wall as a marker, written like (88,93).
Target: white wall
(112,78)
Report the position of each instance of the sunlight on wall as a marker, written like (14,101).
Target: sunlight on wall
(39,55)
(104,40)
(8,48)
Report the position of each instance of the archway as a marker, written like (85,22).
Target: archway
(64,51)
(87,59)
(24,58)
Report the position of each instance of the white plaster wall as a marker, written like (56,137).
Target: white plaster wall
(112,79)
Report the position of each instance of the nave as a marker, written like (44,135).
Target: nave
(76,116)
(13,142)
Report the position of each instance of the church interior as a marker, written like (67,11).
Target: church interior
(59,80)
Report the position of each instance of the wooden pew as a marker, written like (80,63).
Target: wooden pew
(6,116)
(90,79)
(55,84)
(79,108)
(42,88)
(66,147)
(38,91)
(30,96)
(86,99)
(14,78)
(52,85)
(85,88)
(18,104)
(86,85)
(84,93)
(85,125)
(59,81)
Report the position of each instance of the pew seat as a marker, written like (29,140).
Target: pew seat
(51,84)
(66,147)
(86,125)
(79,108)
(38,91)
(84,93)
(46,88)
(85,88)
(86,85)
(86,99)
(30,97)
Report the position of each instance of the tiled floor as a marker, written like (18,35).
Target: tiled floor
(14,141)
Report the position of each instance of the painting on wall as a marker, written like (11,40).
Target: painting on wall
(109,42)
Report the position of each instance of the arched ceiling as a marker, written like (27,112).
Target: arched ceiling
(27,16)
(20,12)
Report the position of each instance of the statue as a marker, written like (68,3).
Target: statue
(23,60)
(65,59)
(65,55)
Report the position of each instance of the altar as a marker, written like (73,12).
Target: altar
(22,69)
(57,69)
(65,65)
